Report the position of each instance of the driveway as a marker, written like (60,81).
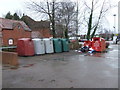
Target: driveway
(64,70)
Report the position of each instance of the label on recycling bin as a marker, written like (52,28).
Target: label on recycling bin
(96,44)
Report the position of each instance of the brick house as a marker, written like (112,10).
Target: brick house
(40,29)
(0,37)
(12,30)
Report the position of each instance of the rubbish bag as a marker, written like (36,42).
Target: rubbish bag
(92,51)
(85,49)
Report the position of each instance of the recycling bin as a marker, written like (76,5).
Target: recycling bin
(48,45)
(65,45)
(98,44)
(39,46)
(25,47)
(57,44)
(88,43)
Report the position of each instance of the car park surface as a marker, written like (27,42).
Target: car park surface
(65,70)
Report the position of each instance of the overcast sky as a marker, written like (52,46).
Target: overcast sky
(19,5)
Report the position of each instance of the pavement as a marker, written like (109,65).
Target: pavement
(64,70)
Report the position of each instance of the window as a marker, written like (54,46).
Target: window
(18,27)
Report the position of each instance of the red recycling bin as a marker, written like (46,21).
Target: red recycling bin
(98,44)
(88,43)
(25,47)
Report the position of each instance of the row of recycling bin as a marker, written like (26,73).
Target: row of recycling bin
(36,46)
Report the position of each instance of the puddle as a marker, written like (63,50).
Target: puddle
(52,81)
(59,59)
(95,54)
(41,80)
(29,65)
(7,67)
(14,68)
(98,55)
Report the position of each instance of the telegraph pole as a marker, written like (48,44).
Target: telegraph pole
(114,23)
(77,20)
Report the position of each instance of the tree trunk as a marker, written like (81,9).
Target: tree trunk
(94,32)
(90,23)
(53,20)
(95,29)
(89,26)
(66,33)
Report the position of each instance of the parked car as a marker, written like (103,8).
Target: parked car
(72,40)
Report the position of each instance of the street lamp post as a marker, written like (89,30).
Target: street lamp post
(114,23)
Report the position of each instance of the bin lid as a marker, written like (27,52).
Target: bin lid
(37,39)
(25,39)
(64,39)
(46,39)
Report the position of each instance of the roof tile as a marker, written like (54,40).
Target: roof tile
(8,24)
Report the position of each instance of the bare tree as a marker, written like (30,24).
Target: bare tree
(95,11)
(77,12)
(65,15)
(45,8)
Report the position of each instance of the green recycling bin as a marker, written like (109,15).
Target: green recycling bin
(57,45)
(65,45)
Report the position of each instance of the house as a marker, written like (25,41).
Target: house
(12,30)
(0,37)
(40,29)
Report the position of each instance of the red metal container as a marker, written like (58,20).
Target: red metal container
(25,47)
(88,43)
(98,44)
